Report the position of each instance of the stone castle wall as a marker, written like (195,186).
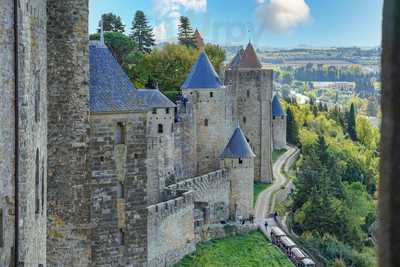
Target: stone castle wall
(119,184)
(69,229)
(212,126)
(32,131)
(279,132)
(7,132)
(213,189)
(170,230)
(185,155)
(160,152)
(252,98)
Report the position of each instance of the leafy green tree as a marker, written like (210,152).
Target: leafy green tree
(142,33)
(185,32)
(111,23)
(351,123)
(120,44)
(292,133)
(216,54)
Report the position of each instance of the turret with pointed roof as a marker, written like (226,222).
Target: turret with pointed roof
(246,59)
(278,124)
(202,75)
(238,159)
(238,147)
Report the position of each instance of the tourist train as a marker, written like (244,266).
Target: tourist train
(299,258)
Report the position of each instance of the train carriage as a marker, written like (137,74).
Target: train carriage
(286,244)
(276,234)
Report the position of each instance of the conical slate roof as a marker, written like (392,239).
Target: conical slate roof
(236,60)
(276,107)
(249,59)
(237,147)
(202,75)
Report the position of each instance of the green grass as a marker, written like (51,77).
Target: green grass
(277,153)
(250,250)
(257,189)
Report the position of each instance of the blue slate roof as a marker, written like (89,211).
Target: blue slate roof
(276,107)
(202,75)
(112,91)
(237,147)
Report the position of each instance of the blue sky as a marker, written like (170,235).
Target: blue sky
(268,23)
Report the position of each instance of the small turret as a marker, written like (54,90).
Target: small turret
(278,124)
(238,159)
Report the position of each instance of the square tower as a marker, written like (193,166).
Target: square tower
(251,90)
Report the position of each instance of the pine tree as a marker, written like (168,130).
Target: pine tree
(351,123)
(142,33)
(111,23)
(292,133)
(185,34)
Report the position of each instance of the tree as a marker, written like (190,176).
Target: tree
(216,54)
(351,123)
(120,44)
(292,133)
(111,23)
(142,33)
(185,34)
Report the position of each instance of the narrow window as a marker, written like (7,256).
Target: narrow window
(42,188)
(154,111)
(248,93)
(120,133)
(37,97)
(160,128)
(167,111)
(211,94)
(1,229)
(37,177)
(273,117)
(121,237)
(244,120)
(240,161)
(135,156)
(172,128)
(120,190)
(206,122)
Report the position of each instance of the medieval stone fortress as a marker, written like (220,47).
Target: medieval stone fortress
(96,172)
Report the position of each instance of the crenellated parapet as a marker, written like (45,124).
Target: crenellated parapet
(162,210)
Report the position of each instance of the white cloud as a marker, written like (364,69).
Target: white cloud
(169,11)
(282,15)
(160,32)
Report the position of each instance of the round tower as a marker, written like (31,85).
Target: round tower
(238,159)
(206,101)
(278,124)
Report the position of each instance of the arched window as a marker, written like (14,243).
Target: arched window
(37,177)
(160,128)
(121,237)
(120,133)
(206,122)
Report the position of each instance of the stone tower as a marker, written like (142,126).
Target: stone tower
(238,159)
(69,229)
(23,144)
(278,124)
(251,87)
(207,103)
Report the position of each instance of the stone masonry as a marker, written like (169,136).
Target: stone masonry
(69,196)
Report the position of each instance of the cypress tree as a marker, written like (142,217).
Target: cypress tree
(292,133)
(185,32)
(351,123)
(142,33)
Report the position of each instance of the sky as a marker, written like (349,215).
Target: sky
(267,23)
